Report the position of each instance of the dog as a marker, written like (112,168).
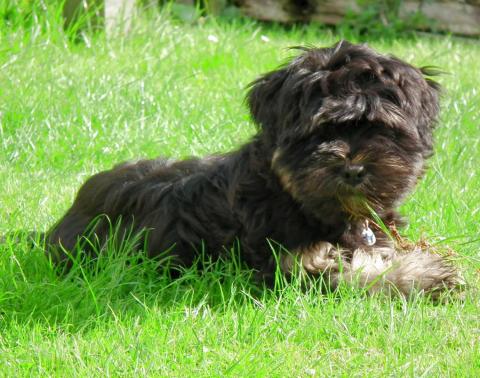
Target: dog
(344,133)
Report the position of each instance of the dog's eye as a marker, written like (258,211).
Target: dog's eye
(332,151)
(331,157)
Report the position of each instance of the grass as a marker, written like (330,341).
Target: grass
(68,110)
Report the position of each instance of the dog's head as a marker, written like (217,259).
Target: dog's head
(346,124)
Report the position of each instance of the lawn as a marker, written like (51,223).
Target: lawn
(69,109)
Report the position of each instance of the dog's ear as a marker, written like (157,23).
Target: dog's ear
(262,99)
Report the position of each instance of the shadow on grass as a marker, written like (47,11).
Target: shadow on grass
(121,284)
(33,289)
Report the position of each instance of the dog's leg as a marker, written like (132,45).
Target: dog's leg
(321,259)
(403,273)
(378,269)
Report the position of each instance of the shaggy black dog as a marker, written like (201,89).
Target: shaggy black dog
(342,132)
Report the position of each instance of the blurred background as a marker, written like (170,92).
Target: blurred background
(461,17)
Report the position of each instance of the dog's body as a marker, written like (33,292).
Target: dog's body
(344,131)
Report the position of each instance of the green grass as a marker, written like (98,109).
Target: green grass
(68,110)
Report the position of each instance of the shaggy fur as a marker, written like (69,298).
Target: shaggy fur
(342,131)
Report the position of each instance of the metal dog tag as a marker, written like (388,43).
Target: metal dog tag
(368,236)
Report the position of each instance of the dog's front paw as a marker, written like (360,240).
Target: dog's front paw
(321,258)
(318,259)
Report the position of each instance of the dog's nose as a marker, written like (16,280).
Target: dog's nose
(354,174)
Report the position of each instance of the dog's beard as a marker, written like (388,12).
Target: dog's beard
(355,205)
(361,201)
(325,194)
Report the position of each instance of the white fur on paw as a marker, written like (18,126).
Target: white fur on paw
(321,258)
(383,269)
(375,261)
(425,272)
(315,260)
